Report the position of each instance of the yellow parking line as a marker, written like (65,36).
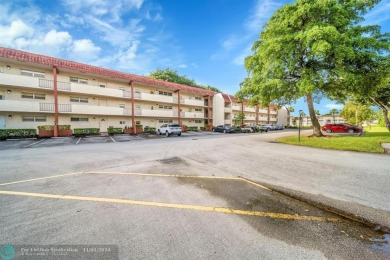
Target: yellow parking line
(165,175)
(254,183)
(177,206)
(36,179)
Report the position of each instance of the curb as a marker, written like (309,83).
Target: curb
(376,219)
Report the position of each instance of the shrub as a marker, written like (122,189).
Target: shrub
(192,128)
(51,127)
(202,128)
(139,126)
(86,131)
(150,130)
(17,133)
(113,131)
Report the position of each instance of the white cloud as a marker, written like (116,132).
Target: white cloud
(378,15)
(334,106)
(263,10)
(85,49)
(17,29)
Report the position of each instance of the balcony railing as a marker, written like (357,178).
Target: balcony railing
(49,107)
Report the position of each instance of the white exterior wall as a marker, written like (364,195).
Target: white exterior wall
(218,110)
(283,116)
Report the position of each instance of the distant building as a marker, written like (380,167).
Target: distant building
(323,120)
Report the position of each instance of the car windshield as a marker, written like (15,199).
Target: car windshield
(175,125)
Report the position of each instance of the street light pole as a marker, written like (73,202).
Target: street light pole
(299,125)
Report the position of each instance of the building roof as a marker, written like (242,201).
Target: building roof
(85,68)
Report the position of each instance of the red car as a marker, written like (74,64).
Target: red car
(341,128)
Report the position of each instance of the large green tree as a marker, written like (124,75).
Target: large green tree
(356,113)
(308,48)
(173,76)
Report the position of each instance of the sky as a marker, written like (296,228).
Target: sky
(206,40)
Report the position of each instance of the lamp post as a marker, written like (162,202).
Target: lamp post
(299,125)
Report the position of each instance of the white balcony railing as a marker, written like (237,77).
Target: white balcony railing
(19,106)
(193,115)
(236,108)
(228,110)
(249,109)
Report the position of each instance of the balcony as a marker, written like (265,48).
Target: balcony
(228,109)
(19,81)
(194,102)
(154,113)
(84,109)
(249,109)
(237,108)
(192,115)
(93,90)
(155,98)
(19,106)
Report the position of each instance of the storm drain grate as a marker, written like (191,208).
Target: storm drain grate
(172,160)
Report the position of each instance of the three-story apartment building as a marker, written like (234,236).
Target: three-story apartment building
(40,90)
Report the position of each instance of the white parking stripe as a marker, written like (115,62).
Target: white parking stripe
(34,143)
(78,141)
(112,138)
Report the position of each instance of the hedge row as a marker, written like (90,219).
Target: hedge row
(192,128)
(86,131)
(51,127)
(17,133)
(114,131)
(150,130)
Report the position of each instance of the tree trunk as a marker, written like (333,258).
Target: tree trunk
(314,120)
(385,112)
(386,117)
(268,114)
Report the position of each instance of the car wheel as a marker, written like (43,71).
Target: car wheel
(328,131)
(351,131)
(158,132)
(179,134)
(224,131)
(166,134)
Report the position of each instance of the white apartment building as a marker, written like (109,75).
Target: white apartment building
(40,90)
(323,120)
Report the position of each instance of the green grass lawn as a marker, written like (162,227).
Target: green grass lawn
(369,142)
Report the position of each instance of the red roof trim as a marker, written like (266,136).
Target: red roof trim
(60,63)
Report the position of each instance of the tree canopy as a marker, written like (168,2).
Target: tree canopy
(173,76)
(313,48)
(356,113)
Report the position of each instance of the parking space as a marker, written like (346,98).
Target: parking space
(179,204)
(16,144)
(51,142)
(126,138)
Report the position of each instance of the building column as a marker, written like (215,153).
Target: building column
(55,71)
(209,112)
(132,108)
(178,105)
(268,115)
(257,113)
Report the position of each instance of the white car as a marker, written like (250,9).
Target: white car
(169,129)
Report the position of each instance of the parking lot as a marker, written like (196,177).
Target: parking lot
(160,215)
(195,196)
(73,140)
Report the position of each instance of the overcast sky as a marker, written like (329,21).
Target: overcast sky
(207,40)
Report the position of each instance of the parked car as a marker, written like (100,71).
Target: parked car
(223,129)
(279,127)
(169,129)
(341,128)
(268,127)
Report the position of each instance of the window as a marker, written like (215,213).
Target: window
(122,122)
(78,80)
(1,97)
(79,119)
(165,107)
(33,95)
(165,121)
(79,99)
(34,118)
(198,121)
(32,73)
(165,93)
(137,122)
(198,109)
(102,85)
(122,105)
(198,98)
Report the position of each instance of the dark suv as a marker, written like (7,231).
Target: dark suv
(223,129)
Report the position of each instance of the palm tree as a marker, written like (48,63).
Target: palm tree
(334,112)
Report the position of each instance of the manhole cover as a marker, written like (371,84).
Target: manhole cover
(171,160)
